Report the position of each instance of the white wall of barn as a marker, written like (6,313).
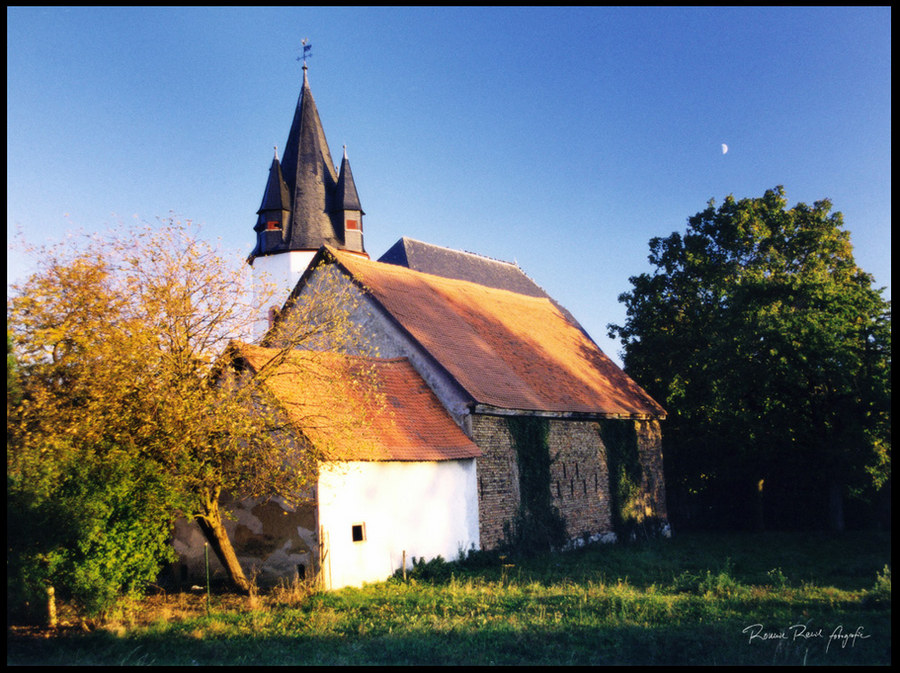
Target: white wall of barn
(426,509)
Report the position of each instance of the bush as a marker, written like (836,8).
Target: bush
(881,592)
(99,533)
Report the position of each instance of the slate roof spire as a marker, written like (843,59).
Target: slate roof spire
(347,198)
(315,196)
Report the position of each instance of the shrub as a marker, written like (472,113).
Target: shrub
(98,534)
(881,591)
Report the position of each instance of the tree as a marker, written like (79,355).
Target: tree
(770,349)
(123,346)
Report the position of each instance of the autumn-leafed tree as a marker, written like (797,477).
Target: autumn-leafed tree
(122,348)
(771,351)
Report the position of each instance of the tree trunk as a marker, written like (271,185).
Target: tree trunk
(214,529)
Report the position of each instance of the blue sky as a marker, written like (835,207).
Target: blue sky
(560,138)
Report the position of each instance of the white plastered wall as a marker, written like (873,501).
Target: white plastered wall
(274,277)
(426,509)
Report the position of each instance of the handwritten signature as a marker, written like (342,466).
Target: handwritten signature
(802,631)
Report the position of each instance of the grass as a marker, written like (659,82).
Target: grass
(686,601)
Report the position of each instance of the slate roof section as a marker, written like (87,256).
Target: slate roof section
(309,173)
(440,261)
(364,409)
(345,195)
(308,185)
(276,198)
(507,350)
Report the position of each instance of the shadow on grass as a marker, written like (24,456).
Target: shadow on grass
(723,643)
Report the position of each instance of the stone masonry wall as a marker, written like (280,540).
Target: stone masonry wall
(649,442)
(579,477)
(579,481)
(498,480)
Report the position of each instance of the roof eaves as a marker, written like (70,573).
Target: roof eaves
(491,410)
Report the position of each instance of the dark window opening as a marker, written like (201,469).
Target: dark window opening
(358,530)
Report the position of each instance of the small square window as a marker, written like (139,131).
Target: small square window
(352,225)
(358,530)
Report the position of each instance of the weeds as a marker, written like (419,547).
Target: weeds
(681,602)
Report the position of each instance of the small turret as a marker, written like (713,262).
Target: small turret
(274,213)
(347,210)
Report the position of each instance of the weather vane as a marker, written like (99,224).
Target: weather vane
(307,47)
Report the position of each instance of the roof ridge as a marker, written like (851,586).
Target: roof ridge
(464,252)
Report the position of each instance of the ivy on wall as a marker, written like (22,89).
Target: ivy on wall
(632,510)
(540,526)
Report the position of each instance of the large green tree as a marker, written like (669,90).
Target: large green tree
(770,349)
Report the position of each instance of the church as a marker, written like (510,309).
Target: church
(501,421)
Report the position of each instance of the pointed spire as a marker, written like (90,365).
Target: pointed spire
(276,197)
(309,173)
(308,201)
(345,195)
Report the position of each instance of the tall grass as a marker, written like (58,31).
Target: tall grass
(687,601)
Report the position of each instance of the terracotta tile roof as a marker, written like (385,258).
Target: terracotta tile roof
(440,261)
(401,418)
(507,350)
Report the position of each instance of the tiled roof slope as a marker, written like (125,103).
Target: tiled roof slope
(507,350)
(364,409)
(440,261)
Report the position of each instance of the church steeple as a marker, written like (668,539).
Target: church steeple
(306,204)
(317,199)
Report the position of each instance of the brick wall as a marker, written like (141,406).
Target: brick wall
(498,479)
(579,479)
(649,441)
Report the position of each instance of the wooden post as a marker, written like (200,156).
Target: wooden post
(51,607)
(404,565)
(206,557)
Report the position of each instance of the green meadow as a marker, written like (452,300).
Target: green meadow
(696,599)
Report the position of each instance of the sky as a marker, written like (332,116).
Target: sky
(562,139)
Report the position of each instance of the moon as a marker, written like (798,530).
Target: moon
(724,148)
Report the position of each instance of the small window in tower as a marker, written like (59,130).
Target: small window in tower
(358,531)
(352,225)
(273,225)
